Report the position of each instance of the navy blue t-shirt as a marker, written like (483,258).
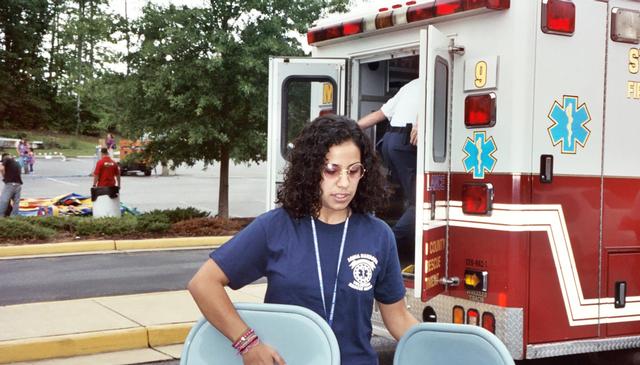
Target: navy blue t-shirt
(281,248)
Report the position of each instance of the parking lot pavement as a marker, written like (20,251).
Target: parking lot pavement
(195,186)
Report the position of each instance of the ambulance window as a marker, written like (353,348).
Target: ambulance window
(304,99)
(440,109)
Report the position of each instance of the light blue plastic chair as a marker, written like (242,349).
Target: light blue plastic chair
(299,335)
(450,344)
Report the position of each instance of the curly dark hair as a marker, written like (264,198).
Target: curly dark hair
(300,193)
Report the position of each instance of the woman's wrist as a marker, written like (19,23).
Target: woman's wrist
(246,341)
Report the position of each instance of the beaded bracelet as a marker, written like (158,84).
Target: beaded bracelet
(246,341)
(255,342)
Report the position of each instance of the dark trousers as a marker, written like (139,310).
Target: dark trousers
(400,158)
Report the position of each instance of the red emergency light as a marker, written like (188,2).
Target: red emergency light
(477,198)
(473,317)
(446,7)
(334,31)
(489,322)
(396,15)
(558,17)
(480,110)
(421,12)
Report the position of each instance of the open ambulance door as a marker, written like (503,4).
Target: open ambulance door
(433,165)
(300,89)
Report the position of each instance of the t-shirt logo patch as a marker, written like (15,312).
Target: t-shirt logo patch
(363,266)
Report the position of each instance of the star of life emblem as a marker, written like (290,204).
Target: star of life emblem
(479,152)
(569,124)
(362,265)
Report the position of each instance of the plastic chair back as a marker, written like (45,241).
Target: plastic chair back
(299,335)
(450,344)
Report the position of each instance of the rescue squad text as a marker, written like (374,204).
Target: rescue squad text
(633,87)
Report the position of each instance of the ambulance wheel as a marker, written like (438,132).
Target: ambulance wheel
(147,172)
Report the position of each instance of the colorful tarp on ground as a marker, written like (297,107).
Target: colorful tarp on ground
(64,205)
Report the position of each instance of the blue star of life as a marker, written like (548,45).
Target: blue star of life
(569,124)
(479,151)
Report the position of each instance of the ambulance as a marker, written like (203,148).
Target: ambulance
(528,175)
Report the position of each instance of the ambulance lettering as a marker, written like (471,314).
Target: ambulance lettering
(479,154)
(569,124)
(633,87)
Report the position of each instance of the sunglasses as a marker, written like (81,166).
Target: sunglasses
(332,171)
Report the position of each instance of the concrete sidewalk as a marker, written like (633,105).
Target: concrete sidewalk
(122,329)
(147,324)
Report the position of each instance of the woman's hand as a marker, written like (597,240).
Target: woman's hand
(262,354)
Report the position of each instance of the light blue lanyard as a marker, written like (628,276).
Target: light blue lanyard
(335,285)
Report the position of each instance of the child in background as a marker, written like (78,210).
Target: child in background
(31,159)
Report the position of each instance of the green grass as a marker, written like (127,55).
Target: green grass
(66,144)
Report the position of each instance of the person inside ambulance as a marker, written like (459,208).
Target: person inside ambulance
(399,151)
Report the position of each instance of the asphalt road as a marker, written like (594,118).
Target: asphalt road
(195,186)
(85,276)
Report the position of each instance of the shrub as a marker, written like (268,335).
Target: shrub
(155,221)
(60,224)
(106,226)
(180,214)
(16,228)
(50,143)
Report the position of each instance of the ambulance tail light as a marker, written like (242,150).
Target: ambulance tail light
(477,198)
(458,315)
(489,322)
(480,110)
(473,317)
(625,25)
(558,17)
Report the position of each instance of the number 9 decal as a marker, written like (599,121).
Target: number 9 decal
(481,74)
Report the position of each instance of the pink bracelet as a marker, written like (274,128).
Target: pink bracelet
(242,343)
(255,342)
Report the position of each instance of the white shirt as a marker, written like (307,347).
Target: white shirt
(403,107)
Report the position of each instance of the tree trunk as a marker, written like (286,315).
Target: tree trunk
(80,61)
(223,194)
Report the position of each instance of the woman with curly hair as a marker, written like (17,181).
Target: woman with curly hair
(332,185)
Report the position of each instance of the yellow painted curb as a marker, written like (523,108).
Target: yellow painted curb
(56,248)
(177,242)
(168,334)
(72,345)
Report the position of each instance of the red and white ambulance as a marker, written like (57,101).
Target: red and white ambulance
(528,183)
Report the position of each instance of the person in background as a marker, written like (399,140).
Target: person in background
(107,172)
(31,159)
(399,151)
(110,143)
(322,249)
(22,148)
(10,171)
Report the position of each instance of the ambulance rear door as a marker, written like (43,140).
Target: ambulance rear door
(300,89)
(432,175)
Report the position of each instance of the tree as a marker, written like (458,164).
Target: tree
(197,86)
(24,92)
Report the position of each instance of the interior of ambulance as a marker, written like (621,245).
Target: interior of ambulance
(379,81)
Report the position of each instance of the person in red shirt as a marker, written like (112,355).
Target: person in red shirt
(107,172)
